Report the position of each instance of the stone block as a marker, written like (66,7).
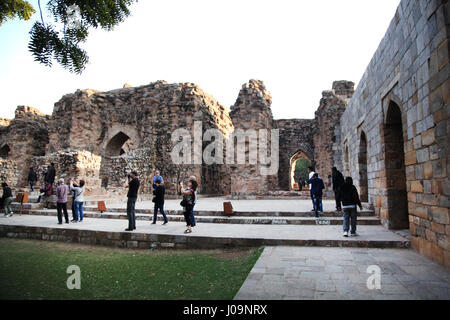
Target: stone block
(440,215)
(428,170)
(410,158)
(416,186)
(428,137)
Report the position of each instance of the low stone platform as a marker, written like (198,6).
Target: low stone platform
(296,218)
(110,232)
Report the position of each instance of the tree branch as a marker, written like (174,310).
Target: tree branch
(40,10)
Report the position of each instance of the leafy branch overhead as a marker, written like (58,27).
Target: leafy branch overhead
(60,39)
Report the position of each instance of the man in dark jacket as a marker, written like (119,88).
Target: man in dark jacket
(349,197)
(338,182)
(133,185)
(7,198)
(51,174)
(316,191)
(32,178)
(159,192)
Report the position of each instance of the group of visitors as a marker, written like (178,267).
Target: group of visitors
(62,191)
(189,200)
(346,197)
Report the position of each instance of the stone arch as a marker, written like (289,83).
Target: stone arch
(115,146)
(362,163)
(397,198)
(292,161)
(4,151)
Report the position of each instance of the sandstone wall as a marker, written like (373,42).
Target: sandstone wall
(410,73)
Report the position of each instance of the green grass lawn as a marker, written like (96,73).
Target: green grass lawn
(38,270)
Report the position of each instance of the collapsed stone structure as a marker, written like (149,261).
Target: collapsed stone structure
(391,134)
(102,136)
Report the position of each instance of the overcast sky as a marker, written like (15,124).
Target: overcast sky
(298,48)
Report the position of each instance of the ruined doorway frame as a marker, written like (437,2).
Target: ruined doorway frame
(362,167)
(395,170)
(292,160)
(114,147)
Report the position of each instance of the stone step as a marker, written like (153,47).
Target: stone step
(110,232)
(363,213)
(216,219)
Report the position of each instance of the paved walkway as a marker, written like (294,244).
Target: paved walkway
(216,204)
(341,273)
(327,233)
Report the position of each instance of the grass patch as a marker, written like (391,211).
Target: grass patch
(37,270)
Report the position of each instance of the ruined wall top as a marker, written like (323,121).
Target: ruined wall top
(344,88)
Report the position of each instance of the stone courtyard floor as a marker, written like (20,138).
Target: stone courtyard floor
(341,273)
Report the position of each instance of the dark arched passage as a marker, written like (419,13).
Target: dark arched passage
(397,199)
(362,162)
(115,145)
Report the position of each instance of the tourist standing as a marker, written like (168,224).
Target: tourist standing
(310,175)
(316,190)
(50,174)
(73,202)
(61,203)
(159,192)
(193,222)
(7,198)
(338,181)
(32,178)
(349,197)
(78,200)
(133,187)
(157,176)
(188,202)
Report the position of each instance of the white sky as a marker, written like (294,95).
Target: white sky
(298,48)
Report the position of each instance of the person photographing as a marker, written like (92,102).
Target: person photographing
(133,188)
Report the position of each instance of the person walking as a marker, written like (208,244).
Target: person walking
(337,180)
(133,188)
(159,192)
(78,200)
(32,178)
(349,197)
(61,203)
(316,190)
(310,176)
(7,198)
(188,202)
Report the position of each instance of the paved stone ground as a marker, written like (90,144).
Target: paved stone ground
(216,204)
(341,273)
(281,232)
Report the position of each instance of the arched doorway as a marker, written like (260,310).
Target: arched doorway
(397,199)
(298,164)
(4,151)
(117,145)
(362,162)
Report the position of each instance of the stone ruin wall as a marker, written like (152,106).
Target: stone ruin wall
(328,148)
(96,123)
(25,137)
(406,87)
(90,120)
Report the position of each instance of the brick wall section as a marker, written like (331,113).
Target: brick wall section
(410,68)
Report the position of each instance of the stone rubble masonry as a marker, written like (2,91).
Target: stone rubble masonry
(411,69)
